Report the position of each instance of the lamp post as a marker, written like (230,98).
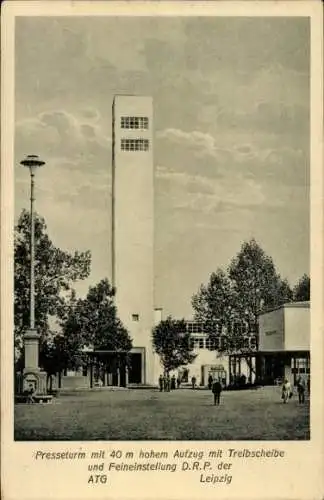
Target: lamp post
(32,376)
(32,162)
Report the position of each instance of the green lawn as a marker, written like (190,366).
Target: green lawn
(180,415)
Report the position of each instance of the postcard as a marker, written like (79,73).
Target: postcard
(162,250)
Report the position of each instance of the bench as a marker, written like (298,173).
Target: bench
(38,398)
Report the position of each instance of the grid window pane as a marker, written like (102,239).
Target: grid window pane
(134,122)
(194,327)
(212,344)
(301,363)
(134,145)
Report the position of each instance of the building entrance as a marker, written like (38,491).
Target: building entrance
(107,368)
(215,371)
(135,368)
(274,368)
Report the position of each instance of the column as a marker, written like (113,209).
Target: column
(250,369)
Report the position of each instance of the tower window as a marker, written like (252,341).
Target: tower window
(134,122)
(134,144)
(135,317)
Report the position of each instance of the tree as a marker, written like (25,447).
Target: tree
(53,355)
(55,272)
(171,342)
(213,304)
(256,282)
(284,292)
(93,322)
(231,302)
(64,351)
(68,346)
(302,289)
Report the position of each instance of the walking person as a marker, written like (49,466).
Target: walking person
(286,393)
(161,383)
(301,388)
(30,395)
(193,382)
(210,382)
(173,383)
(216,390)
(165,383)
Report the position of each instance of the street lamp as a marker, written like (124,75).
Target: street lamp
(32,162)
(33,376)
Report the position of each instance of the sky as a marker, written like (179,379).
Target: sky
(231,150)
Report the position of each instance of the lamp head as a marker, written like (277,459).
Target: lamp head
(32,162)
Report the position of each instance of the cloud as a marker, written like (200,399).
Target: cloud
(201,143)
(77,154)
(205,144)
(194,138)
(60,134)
(228,155)
(204,195)
(90,113)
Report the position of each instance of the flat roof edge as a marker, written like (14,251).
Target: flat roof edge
(288,305)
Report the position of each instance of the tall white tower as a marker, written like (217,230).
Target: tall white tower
(132,227)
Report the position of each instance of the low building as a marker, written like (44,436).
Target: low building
(211,359)
(282,350)
(284,342)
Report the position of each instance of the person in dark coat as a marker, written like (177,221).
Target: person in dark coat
(193,382)
(301,388)
(173,383)
(168,383)
(161,383)
(216,390)
(210,382)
